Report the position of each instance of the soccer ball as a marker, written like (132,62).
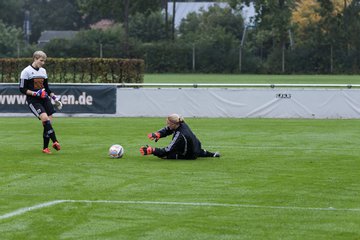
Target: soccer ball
(116,151)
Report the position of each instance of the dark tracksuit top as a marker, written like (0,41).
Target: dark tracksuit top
(184,144)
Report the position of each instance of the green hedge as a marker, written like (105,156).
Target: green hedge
(78,70)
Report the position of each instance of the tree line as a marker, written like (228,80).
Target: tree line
(284,36)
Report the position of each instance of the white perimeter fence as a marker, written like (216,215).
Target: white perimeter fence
(241,100)
(232,100)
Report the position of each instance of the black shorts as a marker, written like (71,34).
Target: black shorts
(39,106)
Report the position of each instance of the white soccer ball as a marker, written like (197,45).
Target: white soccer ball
(116,151)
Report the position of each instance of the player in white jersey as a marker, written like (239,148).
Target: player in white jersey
(34,84)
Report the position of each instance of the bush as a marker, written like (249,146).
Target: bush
(79,70)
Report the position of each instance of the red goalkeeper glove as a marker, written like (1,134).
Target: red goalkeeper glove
(153,136)
(40,93)
(146,150)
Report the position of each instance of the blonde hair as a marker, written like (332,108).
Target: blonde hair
(39,54)
(175,119)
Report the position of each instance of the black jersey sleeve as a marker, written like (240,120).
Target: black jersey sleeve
(23,86)
(46,86)
(177,145)
(166,131)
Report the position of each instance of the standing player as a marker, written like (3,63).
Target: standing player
(184,144)
(34,84)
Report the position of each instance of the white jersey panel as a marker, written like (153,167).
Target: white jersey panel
(30,73)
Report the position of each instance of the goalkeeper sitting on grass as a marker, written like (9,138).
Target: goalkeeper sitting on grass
(184,144)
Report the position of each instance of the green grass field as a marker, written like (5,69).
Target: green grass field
(276,179)
(249,78)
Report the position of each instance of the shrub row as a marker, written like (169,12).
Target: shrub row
(78,70)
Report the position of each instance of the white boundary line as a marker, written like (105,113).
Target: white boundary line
(56,202)
(28,209)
